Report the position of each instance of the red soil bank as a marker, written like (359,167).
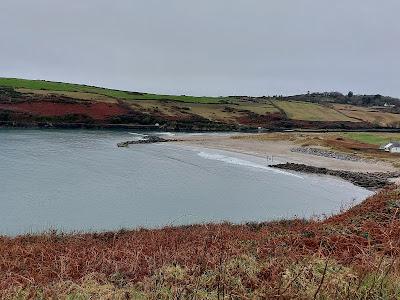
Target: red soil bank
(98,111)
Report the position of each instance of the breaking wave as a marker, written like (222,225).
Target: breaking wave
(242,162)
(166,133)
(138,136)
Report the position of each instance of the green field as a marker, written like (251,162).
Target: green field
(372,138)
(116,94)
(298,110)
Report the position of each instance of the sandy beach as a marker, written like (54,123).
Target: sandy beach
(280,151)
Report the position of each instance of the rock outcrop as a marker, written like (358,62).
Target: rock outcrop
(148,140)
(370,181)
(326,153)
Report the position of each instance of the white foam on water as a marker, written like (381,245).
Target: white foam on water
(242,162)
(138,134)
(166,133)
(209,134)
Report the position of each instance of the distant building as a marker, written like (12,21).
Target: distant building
(386,147)
(388,105)
(393,147)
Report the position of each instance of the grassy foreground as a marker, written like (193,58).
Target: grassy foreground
(354,255)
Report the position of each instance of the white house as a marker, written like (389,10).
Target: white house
(393,147)
(386,147)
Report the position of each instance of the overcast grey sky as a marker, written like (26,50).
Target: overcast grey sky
(206,47)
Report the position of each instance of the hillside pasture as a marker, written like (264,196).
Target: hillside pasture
(372,138)
(268,112)
(310,111)
(73,95)
(370,115)
(213,112)
(112,93)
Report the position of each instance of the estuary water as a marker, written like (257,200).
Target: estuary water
(79,180)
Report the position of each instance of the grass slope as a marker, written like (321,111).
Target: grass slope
(310,111)
(117,94)
(372,138)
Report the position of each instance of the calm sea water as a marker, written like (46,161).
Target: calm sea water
(80,180)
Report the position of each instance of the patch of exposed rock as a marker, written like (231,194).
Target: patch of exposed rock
(326,153)
(148,140)
(370,181)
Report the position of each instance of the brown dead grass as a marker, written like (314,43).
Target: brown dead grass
(369,115)
(213,112)
(73,95)
(348,256)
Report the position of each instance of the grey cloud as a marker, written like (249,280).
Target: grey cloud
(208,47)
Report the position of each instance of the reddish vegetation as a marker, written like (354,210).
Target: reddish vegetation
(256,119)
(351,145)
(357,238)
(278,120)
(95,110)
(34,110)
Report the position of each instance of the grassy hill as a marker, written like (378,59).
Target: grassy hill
(38,102)
(51,86)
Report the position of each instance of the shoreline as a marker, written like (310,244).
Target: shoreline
(373,182)
(281,151)
(357,172)
(211,129)
(370,181)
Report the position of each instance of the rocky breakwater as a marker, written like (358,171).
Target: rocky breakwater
(371,181)
(148,140)
(326,153)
